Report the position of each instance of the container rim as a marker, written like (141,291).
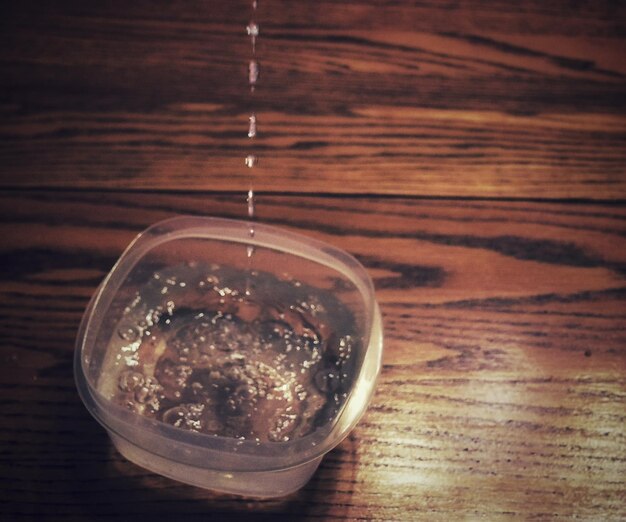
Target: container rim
(242,454)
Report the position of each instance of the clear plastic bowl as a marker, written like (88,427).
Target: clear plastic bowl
(222,463)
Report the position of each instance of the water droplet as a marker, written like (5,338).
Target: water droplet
(251,160)
(250,200)
(253,72)
(250,248)
(128,333)
(252,29)
(252,126)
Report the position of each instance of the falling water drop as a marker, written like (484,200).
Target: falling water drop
(250,201)
(253,73)
(251,212)
(251,160)
(252,126)
(253,31)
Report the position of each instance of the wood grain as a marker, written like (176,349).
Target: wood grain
(472,98)
(504,383)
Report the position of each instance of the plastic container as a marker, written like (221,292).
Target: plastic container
(213,461)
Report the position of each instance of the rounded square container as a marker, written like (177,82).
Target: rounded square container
(228,360)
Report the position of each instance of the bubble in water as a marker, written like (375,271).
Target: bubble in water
(175,415)
(142,394)
(284,426)
(246,392)
(128,333)
(326,381)
(253,72)
(174,378)
(149,393)
(345,347)
(252,126)
(186,416)
(129,380)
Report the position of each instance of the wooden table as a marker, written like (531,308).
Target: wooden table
(471,154)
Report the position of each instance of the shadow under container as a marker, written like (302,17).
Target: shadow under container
(226,464)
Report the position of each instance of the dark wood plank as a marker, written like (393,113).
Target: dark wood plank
(503,389)
(468,98)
